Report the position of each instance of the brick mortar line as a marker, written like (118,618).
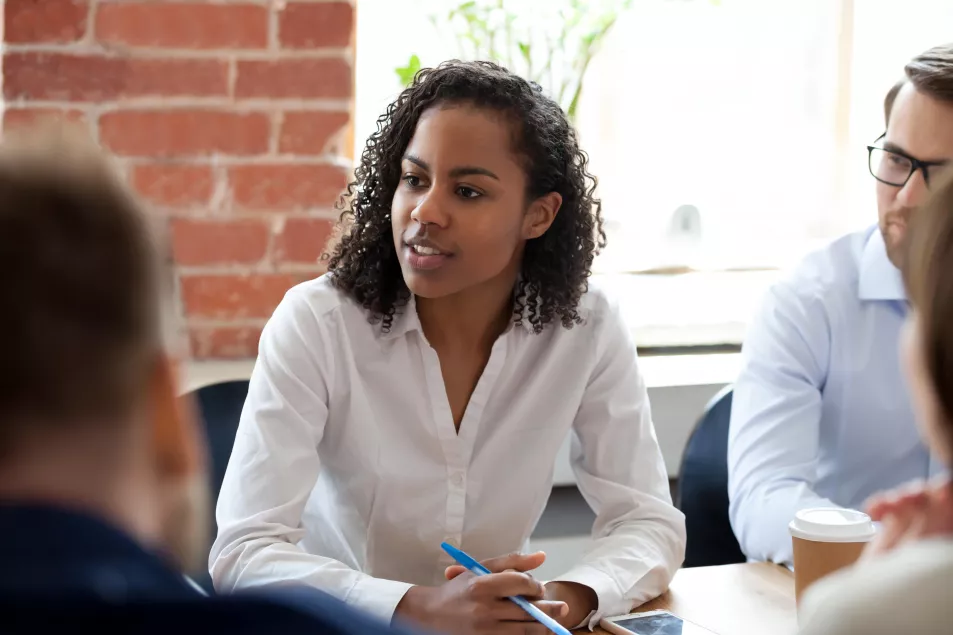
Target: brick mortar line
(257,268)
(224,103)
(274,39)
(245,270)
(277,123)
(275,231)
(203,214)
(276,4)
(91,117)
(221,197)
(178,306)
(237,323)
(258,3)
(315,269)
(232,79)
(242,160)
(79,48)
(89,38)
(206,322)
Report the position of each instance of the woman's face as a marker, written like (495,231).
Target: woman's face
(925,403)
(460,215)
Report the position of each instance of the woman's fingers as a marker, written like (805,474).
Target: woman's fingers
(512,562)
(508,611)
(898,501)
(506,584)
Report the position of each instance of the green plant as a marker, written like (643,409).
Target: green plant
(552,45)
(406,73)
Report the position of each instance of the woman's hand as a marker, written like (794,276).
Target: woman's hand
(911,513)
(580,599)
(467,604)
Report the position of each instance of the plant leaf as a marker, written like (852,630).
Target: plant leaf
(406,73)
(524,50)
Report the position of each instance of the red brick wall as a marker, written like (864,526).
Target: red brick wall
(232,118)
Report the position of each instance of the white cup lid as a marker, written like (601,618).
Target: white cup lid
(832,524)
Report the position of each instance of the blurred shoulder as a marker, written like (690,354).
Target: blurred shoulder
(903,592)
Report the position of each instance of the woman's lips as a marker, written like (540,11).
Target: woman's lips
(425,258)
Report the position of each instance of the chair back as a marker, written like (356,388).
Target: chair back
(220,407)
(703,489)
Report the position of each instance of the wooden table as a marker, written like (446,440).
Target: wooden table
(737,599)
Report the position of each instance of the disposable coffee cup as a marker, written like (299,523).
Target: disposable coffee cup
(825,540)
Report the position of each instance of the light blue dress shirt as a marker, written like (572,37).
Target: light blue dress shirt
(821,414)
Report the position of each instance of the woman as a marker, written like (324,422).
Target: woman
(419,392)
(902,584)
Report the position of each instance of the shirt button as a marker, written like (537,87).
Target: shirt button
(457,479)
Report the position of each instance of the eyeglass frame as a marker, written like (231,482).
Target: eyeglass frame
(915,164)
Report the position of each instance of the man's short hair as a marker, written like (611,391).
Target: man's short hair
(931,73)
(82,280)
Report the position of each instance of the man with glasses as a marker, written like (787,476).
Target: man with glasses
(821,416)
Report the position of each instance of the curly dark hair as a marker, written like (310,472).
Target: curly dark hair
(556,266)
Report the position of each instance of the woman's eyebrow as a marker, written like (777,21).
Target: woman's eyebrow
(467,170)
(417,161)
(463,170)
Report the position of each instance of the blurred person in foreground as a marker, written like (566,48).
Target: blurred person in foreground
(102,470)
(820,415)
(903,582)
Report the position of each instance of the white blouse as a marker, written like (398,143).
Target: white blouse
(348,472)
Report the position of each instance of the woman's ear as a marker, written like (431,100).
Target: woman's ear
(179,447)
(542,212)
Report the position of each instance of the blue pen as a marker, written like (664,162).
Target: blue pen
(476,568)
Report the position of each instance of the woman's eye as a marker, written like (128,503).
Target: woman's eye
(468,192)
(411,180)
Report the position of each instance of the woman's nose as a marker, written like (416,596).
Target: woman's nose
(429,211)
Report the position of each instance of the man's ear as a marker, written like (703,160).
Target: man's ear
(179,443)
(542,212)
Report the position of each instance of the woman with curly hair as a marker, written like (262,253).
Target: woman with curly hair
(421,390)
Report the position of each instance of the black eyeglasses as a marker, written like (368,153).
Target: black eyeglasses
(896,168)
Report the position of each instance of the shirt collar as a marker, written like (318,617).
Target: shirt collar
(407,321)
(879,278)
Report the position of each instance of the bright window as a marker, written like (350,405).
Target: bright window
(728,136)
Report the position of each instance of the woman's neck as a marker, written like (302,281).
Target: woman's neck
(471,319)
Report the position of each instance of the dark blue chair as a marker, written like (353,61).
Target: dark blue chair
(220,406)
(703,489)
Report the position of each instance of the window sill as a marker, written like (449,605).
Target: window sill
(698,309)
(671,317)
(660,371)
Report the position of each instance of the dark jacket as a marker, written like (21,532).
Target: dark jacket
(63,571)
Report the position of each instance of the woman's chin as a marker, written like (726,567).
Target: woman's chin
(426,285)
(426,290)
